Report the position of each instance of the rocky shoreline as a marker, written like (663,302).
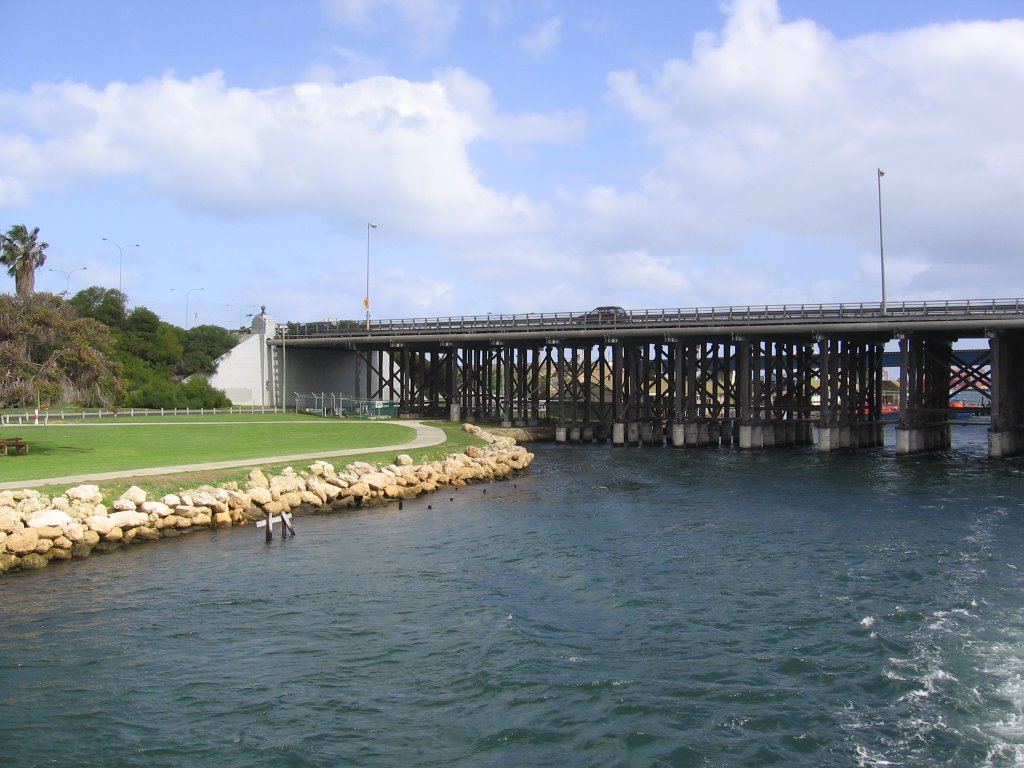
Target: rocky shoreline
(36,529)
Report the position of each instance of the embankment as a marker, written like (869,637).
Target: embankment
(36,529)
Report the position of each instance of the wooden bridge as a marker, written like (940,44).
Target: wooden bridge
(754,376)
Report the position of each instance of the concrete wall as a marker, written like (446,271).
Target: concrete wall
(244,372)
(253,373)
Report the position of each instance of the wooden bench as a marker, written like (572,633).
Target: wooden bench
(7,443)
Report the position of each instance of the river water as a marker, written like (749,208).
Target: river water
(613,607)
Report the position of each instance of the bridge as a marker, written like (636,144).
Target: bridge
(754,376)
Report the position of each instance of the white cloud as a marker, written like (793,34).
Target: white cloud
(426,24)
(544,39)
(377,144)
(473,97)
(778,126)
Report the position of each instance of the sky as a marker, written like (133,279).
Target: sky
(516,156)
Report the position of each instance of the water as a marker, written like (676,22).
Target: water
(615,607)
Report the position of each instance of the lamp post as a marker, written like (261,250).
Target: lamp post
(881,241)
(120,260)
(67,277)
(284,368)
(186,291)
(366,301)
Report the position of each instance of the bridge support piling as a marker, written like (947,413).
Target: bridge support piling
(618,433)
(678,435)
(560,434)
(1006,430)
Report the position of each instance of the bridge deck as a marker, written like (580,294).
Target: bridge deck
(959,317)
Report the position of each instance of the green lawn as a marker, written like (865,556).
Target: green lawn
(72,449)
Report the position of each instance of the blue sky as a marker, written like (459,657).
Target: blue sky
(528,156)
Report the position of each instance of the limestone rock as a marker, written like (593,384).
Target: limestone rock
(10,521)
(8,562)
(123,505)
(135,495)
(260,495)
(34,560)
(23,542)
(403,460)
(157,508)
(257,479)
(90,494)
(378,481)
(128,519)
(49,518)
(100,524)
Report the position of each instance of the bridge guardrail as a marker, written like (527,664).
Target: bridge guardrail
(654,318)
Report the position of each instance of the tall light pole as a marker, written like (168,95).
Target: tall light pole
(284,368)
(881,241)
(366,301)
(120,260)
(67,277)
(186,291)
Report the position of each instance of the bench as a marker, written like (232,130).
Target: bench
(7,443)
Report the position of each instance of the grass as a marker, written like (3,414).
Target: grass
(56,450)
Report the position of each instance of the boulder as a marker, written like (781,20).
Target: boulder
(44,546)
(135,495)
(34,560)
(8,562)
(128,519)
(89,494)
(22,542)
(123,505)
(257,479)
(260,495)
(100,524)
(157,508)
(10,521)
(48,518)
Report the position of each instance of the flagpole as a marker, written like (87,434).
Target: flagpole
(881,241)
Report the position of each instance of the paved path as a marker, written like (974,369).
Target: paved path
(426,436)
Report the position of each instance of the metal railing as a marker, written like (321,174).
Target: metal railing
(615,318)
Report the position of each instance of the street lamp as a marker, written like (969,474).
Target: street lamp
(67,277)
(120,259)
(186,291)
(366,301)
(881,242)
(284,368)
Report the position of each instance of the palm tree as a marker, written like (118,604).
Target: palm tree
(22,255)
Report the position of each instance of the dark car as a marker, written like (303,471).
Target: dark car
(607,315)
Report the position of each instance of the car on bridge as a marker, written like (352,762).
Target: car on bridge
(607,314)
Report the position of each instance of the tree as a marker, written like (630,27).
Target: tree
(104,304)
(22,254)
(49,355)
(205,344)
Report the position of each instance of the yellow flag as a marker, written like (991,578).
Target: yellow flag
(366,302)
